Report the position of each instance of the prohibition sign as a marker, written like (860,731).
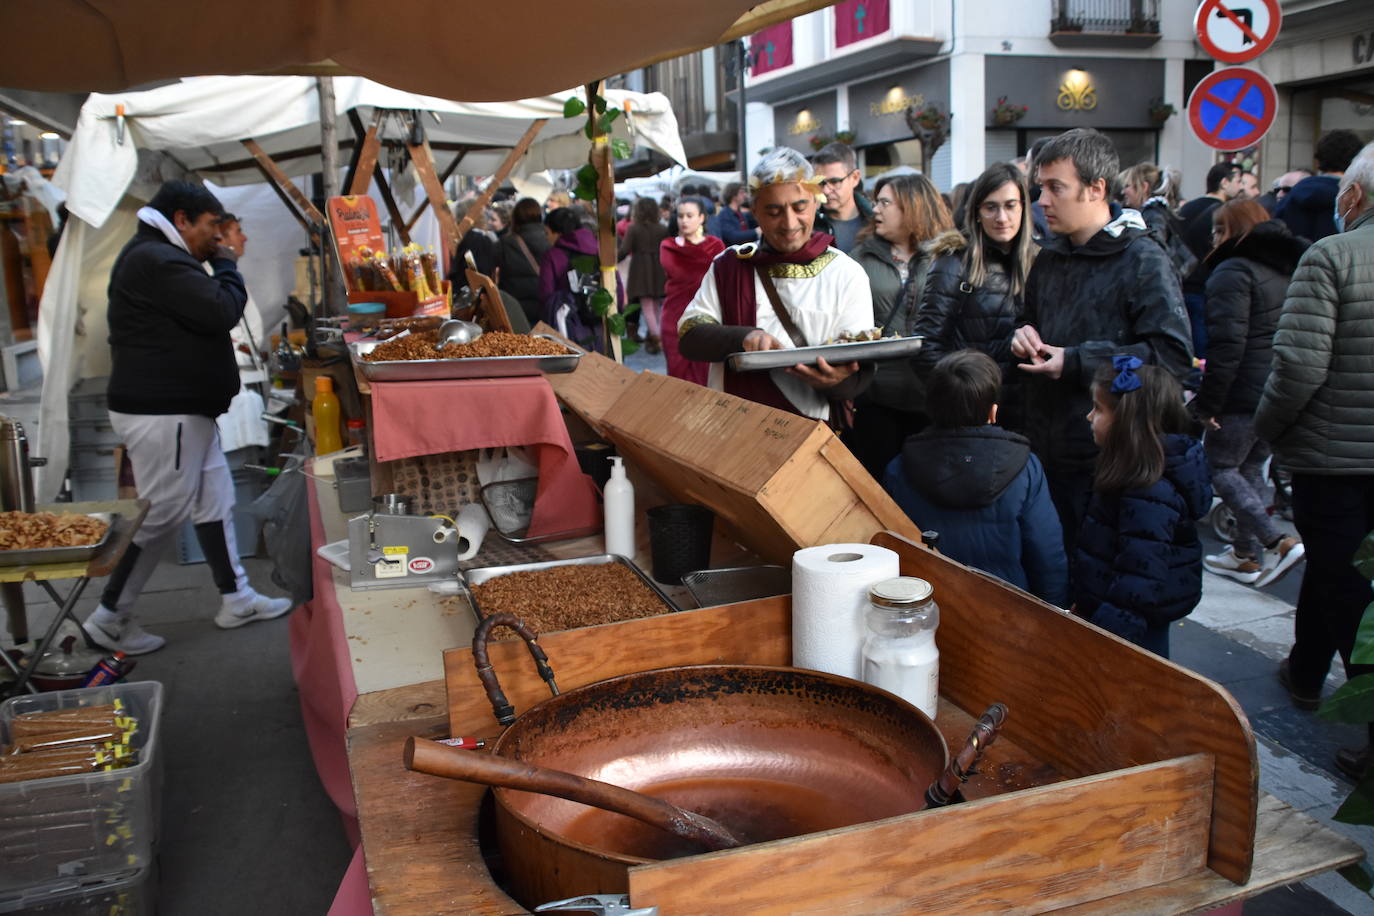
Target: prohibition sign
(1232,109)
(1236,31)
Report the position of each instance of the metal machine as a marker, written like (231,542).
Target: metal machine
(390,549)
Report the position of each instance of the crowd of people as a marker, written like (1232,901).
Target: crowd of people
(1100,358)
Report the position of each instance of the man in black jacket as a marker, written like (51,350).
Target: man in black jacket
(1102,285)
(172,373)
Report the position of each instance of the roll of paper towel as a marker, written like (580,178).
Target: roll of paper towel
(473,524)
(829,597)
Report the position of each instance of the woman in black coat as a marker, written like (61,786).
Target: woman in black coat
(1251,265)
(520,250)
(974,290)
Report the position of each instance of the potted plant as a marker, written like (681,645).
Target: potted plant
(818,140)
(1160,111)
(844,136)
(932,117)
(1004,113)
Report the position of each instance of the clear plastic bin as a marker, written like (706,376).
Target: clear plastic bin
(131,893)
(87,825)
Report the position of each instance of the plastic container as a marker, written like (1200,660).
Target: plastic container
(357,431)
(95,824)
(620,511)
(128,893)
(899,653)
(325,410)
(365,316)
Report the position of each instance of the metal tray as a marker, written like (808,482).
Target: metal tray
(711,587)
(478,575)
(49,555)
(418,370)
(864,350)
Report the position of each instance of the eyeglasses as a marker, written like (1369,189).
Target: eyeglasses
(831,182)
(991,208)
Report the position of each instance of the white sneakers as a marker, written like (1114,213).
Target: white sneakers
(1226,563)
(120,633)
(246,606)
(1277,560)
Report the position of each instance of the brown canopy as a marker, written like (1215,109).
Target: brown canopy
(474,51)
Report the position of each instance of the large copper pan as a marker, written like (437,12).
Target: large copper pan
(767,752)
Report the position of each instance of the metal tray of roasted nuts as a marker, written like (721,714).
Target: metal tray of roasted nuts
(41,556)
(861,351)
(478,575)
(420,370)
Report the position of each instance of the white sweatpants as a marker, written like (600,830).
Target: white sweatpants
(180,469)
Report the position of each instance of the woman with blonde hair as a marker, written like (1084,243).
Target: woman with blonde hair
(907,212)
(1154,193)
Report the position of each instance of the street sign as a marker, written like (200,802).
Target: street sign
(1232,109)
(1236,31)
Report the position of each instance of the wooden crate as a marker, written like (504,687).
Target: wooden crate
(777,480)
(1156,776)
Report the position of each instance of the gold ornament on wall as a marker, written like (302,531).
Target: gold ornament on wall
(1077,92)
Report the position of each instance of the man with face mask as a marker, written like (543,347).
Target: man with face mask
(1318,410)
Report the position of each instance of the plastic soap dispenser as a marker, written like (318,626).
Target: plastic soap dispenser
(620,511)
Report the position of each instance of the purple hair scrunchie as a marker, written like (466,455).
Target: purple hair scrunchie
(1126,379)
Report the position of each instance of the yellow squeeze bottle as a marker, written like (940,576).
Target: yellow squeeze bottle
(325,410)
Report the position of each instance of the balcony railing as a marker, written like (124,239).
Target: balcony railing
(1121,17)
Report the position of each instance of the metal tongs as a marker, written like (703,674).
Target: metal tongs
(601,904)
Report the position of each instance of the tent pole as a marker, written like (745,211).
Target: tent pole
(329,166)
(284,185)
(601,160)
(498,179)
(385,190)
(364,153)
(423,158)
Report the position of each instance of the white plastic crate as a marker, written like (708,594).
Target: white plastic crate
(132,893)
(88,825)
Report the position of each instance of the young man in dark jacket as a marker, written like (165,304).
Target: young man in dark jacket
(978,484)
(1101,286)
(172,373)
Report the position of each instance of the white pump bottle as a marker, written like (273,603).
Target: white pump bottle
(620,511)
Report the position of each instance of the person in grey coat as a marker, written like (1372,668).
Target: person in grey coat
(1317,410)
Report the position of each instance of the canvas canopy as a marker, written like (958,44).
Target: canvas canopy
(199,125)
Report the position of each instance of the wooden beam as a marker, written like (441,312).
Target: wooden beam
(385,190)
(602,160)
(349,143)
(415,217)
(361,175)
(278,177)
(448,172)
(288,203)
(502,173)
(423,158)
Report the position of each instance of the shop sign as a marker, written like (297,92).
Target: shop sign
(878,107)
(1362,49)
(857,20)
(771,49)
(1077,92)
(1232,109)
(1236,31)
(795,123)
(896,102)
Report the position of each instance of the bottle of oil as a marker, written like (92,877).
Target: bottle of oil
(325,410)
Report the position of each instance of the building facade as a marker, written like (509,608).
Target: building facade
(855,70)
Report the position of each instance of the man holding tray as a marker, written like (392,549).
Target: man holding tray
(172,373)
(791,290)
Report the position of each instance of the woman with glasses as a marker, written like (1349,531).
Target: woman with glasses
(973,295)
(1252,260)
(907,213)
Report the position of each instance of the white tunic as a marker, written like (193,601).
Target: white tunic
(826,298)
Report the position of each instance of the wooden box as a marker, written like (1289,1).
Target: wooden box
(1147,774)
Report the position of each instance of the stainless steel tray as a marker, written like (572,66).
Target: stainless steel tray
(418,370)
(478,575)
(864,350)
(711,587)
(49,555)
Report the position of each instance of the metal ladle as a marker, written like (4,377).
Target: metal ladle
(457,331)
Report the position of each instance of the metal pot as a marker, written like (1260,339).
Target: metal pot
(767,752)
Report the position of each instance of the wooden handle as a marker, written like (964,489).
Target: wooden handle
(425,756)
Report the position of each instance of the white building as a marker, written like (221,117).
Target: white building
(859,66)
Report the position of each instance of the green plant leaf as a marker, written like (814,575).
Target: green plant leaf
(573,107)
(585,263)
(1358,875)
(1364,557)
(1358,808)
(629,346)
(630,309)
(616,324)
(599,102)
(601,302)
(620,148)
(1353,702)
(604,122)
(587,130)
(585,192)
(587,174)
(1363,653)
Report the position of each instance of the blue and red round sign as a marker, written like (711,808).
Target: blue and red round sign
(1232,109)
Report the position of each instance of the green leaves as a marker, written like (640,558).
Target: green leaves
(585,263)
(599,103)
(1364,557)
(629,345)
(1363,653)
(616,324)
(573,107)
(601,302)
(604,122)
(586,183)
(620,148)
(1359,807)
(1353,702)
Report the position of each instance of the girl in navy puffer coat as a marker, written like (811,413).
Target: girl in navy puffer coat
(1139,561)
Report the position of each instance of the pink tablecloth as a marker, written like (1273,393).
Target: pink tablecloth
(430,418)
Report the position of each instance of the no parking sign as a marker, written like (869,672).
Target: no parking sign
(1232,109)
